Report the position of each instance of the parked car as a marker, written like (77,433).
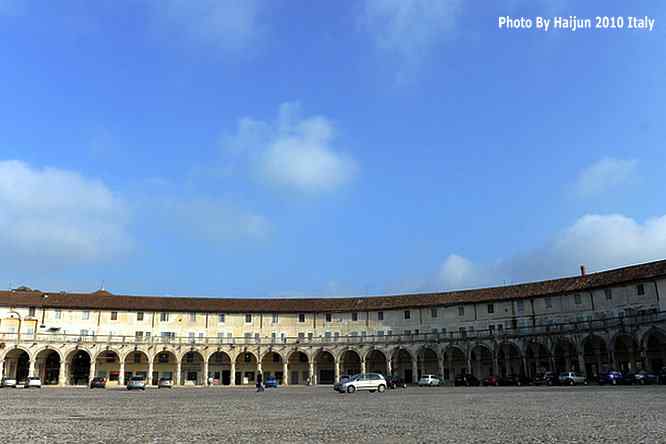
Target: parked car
(98,382)
(542,378)
(33,382)
(641,377)
(572,378)
(394,382)
(610,377)
(164,383)
(516,380)
(466,380)
(271,382)
(363,381)
(429,380)
(489,380)
(136,383)
(8,382)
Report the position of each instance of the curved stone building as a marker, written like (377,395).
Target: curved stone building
(611,319)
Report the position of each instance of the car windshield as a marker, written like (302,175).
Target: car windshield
(137,378)
(564,374)
(356,377)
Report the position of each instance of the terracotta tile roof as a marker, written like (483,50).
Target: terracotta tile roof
(106,301)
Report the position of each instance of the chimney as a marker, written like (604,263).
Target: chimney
(582,270)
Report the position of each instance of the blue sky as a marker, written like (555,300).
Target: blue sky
(290,148)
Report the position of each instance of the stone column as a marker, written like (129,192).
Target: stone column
(2,369)
(362,365)
(31,367)
(178,367)
(581,363)
(62,374)
(232,379)
(205,371)
(389,370)
(121,373)
(311,371)
(150,371)
(440,368)
(469,363)
(523,360)
(93,368)
(337,370)
(415,371)
(285,374)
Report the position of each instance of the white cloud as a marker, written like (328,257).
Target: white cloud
(410,28)
(604,175)
(228,24)
(293,152)
(51,215)
(213,220)
(597,241)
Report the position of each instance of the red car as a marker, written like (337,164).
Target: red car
(490,380)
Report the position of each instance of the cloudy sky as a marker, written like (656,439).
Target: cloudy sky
(289,148)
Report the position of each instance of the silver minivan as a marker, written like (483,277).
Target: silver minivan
(373,382)
(572,378)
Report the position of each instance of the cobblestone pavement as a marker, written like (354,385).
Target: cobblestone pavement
(317,414)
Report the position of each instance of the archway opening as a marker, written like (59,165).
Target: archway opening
(655,350)
(165,365)
(272,365)
(298,368)
(137,364)
(401,365)
(509,360)
(79,367)
(325,363)
(455,363)
(427,362)
(246,367)
(350,363)
(192,368)
(47,367)
(375,362)
(537,358)
(565,357)
(17,364)
(219,368)
(595,355)
(482,361)
(107,365)
(626,353)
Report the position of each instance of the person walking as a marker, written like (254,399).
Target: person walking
(260,385)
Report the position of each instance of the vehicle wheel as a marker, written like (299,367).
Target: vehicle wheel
(571,382)
(518,383)
(642,381)
(373,391)
(614,382)
(351,389)
(381,388)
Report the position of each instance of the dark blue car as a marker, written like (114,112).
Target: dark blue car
(271,382)
(611,377)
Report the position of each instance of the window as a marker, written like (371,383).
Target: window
(84,333)
(328,317)
(310,336)
(408,314)
(193,317)
(640,289)
(380,332)
(577,299)
(380,315)
(435,331)
(220,318)
(549,302)
(139,336)
(58,313)
(491,329)
(85,315)
(273,336)
(520,306)
(354,316)
(164,317)
(461,310)
(248,335)
(407,332)
(389,332)
(433,312)
(301,317)
(462,331)
(248,318)
(491,308)
(31,311)
(327,334)
(443,331)
(500,328)
(29,331)
(276,318)
(139,316)
(301,335)
(608,293)
(114,315)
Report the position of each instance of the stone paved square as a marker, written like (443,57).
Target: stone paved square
(317,414)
